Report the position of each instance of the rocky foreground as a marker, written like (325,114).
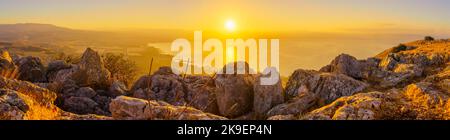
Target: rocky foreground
(410,81)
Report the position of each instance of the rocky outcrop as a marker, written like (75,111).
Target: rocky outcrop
(266,96)
(194,91)
(77,84)
(298,105)
(12,107)
(117,88)
(328,87)
(347,65)
(31,69)
(5,60)
(21,100)
(127,108)
(7,67)
(362,106)
(91,71)
(308,89)
(80,105)
(234,93)
(201,93)
(54,67)
(165,86)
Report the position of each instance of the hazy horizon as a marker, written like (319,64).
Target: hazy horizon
(251,15)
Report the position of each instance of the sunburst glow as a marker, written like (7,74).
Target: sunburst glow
(230,25)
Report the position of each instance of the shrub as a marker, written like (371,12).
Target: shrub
(399,48)
(121,68)
(71,59)
(429,38)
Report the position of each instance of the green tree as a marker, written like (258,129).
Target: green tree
(121,68)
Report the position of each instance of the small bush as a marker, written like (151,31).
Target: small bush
(71,59)
(429,38)
(399,48)
(121,68)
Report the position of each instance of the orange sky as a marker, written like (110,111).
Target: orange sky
(249,15)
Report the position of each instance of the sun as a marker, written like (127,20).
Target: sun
(230,25)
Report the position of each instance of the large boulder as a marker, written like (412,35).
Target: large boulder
(298,105)
(308,89)
(165,86)
(347,65)
(326,86)
(201,93)
(7,67)
(26,101)
(31,69)
(5,60)
(84,92)
(80,105)
(234,92)
(127,108)
(117,88)
(89,72)
(54,67)
(12,107)
(266,96)
(92,71)
(362,106)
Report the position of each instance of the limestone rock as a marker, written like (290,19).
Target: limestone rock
(347,65)
(31,69)
(80,105)
(282,117)
(84,92)
(201,93)
(117,88)
(54,67)
(266,96)
(298,105)
(12,107)
(362,106)
(26,101)
(234,93)
(161,86)
(89,72)
(127,108)
(327,87)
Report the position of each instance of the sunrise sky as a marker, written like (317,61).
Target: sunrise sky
(251,15)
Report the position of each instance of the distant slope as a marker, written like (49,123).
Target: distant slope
(47,33)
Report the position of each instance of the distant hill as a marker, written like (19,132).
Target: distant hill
(48,33)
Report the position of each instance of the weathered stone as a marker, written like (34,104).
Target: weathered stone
(31,69)
(80,105)
(266,96)
(234,92)
(89,72)
(347,65)
(84,92)
(362,106)
(127,108)
(283,117)
(298,105)
(92,71)
(12,107)
(54,67)
(6,61)
(201,93)
(327,87)
(163,86)
(117,88)
(26,101)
